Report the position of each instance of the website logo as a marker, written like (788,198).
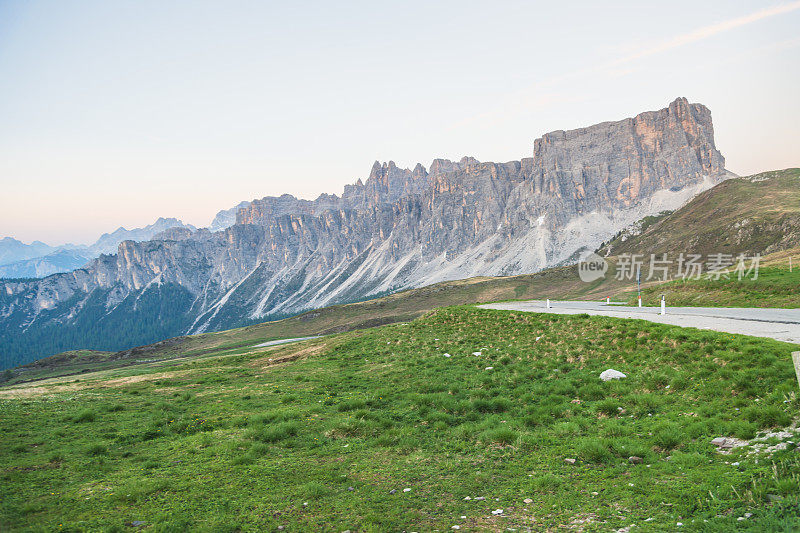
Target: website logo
(592,267)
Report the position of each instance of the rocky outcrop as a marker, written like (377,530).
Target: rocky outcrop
(226,218)
(403,228)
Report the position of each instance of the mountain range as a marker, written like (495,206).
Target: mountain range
(39,260)
(399,228)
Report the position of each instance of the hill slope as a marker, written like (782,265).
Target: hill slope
(755,214)
(758,214)
(399,307)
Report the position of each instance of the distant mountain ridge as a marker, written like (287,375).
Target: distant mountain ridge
(400,228)
(37,260)
(12,250)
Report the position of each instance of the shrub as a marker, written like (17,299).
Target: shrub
(679,383)
(139,489)
(609,407)
(591,392)
(289,398)
(314,490)
(743,430)
(495,405)
(502,436)
(767,416)
(627,447)
(593,451)
(244,459)
(668,436)
(647,403)
(615,428)
(96,449)
(55,458)
(546,482)
(275,433)
(657,381)
(87,415)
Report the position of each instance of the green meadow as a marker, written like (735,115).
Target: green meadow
(379,430)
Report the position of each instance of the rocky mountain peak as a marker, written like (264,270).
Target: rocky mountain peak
(398,229)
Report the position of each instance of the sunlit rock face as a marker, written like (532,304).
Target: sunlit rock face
(403,228)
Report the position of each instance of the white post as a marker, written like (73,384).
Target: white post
(548,303)
(640,301)
(608,300)
(796,361)
(663,305)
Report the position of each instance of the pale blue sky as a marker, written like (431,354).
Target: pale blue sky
(117,112)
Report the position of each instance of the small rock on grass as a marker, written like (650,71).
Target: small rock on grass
(527,500)
(406,490)
(635,460)
(569,460)
(497,512)
(608,375)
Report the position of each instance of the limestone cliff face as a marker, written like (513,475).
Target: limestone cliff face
(403,228)
(626,160)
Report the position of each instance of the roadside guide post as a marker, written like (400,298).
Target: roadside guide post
(639,283)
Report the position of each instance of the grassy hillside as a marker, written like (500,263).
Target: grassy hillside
(399,307)
(756,214)
(775,287)
(379,430)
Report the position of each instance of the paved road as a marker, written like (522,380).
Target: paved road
(779,324)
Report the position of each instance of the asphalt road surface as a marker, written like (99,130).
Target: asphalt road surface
(779,324)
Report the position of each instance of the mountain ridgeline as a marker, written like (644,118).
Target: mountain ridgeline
(38,260)
(398,229)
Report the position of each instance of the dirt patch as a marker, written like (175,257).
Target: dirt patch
(121,382)
(27,392)
(265,362)
(39,390)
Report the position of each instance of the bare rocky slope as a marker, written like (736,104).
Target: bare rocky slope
(400,228)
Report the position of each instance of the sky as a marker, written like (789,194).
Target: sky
(114,113)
